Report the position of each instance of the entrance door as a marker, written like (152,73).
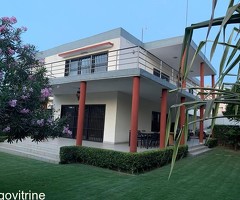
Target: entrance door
(93,121)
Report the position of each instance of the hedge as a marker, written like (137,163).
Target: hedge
(211,142)
(133,163)
(227,135)
(2,138)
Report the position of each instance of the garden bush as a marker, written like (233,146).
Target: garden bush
(211,142)
(228,135)
(133,163)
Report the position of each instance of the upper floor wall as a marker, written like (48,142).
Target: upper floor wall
(118,50)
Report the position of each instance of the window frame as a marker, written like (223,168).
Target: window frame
(92,64)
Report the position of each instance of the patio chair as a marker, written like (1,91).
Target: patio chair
(154,140)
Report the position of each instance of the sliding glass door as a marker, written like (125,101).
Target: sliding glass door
(93,121)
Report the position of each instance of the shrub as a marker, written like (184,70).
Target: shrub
(227,135)
(211,142)
(2,138)
(133,163)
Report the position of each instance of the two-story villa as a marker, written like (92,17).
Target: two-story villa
(112,83)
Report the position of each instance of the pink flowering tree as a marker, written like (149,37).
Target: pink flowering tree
(24,89)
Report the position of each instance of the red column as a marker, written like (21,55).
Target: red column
(134,114)
(182,119)
(163,118)
(81,112)
(202,107)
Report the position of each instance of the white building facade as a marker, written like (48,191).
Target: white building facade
(121,83)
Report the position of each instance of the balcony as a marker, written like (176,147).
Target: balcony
(121,59)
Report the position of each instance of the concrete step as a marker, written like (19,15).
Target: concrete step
(38,151)
(198,149)
(29,149)
(29,155)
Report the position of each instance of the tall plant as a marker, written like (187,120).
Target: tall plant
(24,89)
(228,63)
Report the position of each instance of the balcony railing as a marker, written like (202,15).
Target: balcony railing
(127,58)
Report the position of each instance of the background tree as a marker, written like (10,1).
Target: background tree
(24,89)
(231,113)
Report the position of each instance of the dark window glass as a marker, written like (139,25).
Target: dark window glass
(156,72)
(94,118)
(100,63)
(86,65)
(165,77)
(155,121)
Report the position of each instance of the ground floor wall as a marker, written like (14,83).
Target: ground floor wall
(117,114)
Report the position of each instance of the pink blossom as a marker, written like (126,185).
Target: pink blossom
(41,61)
(24,97)
(26,46)
(50,121)
(11,51)
(23,28)
(13,20)
(40,122)
(13,103)
(7,129)
(24,111)
(31,77)
(46,92)
(3,28)
(66,130)
(6,19)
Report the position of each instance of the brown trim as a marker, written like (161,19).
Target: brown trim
(92,48)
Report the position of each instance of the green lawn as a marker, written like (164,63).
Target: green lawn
(214,175)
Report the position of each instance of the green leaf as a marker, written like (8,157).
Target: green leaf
(225,53)
(176,121)
(208,108)
(168,127)
(175,152)
(188,68)
(214,3)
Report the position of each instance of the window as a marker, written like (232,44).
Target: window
(156,72)
(165,77)
(86,65)
(161,75)
(190,90)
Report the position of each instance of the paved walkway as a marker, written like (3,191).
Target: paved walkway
(49,150)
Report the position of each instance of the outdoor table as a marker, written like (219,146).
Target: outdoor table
(145,137)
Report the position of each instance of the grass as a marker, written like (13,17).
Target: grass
(214,175)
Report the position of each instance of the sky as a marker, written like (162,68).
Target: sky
(54,22)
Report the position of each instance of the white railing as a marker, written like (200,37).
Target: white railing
(127,58)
